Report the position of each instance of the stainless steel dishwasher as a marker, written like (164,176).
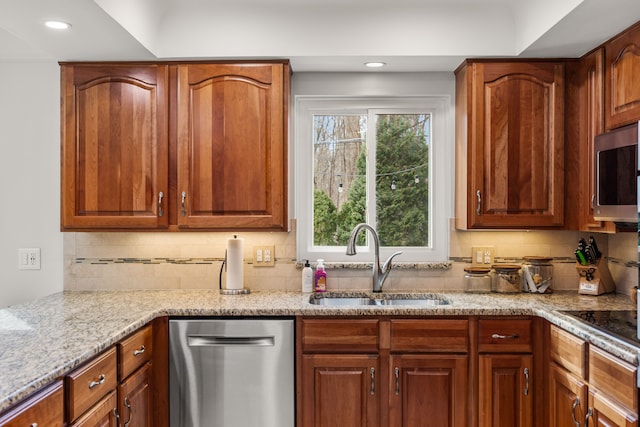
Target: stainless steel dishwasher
(231,373)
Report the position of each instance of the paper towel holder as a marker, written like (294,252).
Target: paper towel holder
(225,291)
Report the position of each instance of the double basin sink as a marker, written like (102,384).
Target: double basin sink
(340,300)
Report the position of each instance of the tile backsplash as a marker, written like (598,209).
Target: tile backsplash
(163,260)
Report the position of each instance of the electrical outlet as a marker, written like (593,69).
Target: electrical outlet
(482,255)
(29,259)
(264,256)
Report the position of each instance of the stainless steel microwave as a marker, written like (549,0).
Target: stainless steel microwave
(616,175)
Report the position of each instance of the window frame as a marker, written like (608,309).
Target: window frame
(440,176)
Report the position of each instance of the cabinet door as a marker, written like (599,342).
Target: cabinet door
(589,122)
(603,412)
(567,398)
(340,391)
(231,145)
(428,391)
(505,390)
(515,140)
(114,146)
(134,396)
(102,414)
(622,65)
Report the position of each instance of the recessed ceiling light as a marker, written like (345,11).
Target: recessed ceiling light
(374,64)
(57,25)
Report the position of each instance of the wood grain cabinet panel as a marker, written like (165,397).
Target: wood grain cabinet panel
(506,390)
(622,68)
(428,390)
(567,398)
(102,414)
(114,146)
(510,144)
(134,399)
(91,382)
(231,150)
(340,390)
(45,409)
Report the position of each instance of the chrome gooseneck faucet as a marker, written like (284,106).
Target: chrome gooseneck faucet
(379,273)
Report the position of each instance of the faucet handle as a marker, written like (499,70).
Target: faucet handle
(387,264)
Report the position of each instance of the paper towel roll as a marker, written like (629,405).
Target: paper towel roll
(235,267)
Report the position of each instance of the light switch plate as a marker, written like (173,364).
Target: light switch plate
(482,256)
(264,256)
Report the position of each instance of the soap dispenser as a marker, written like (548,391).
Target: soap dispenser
(307,277)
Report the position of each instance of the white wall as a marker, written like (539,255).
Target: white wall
(29,179)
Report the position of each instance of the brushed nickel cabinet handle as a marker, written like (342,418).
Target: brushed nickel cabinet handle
(160,197)
(184,196)
(397,374)
(573,411)
(505,337)
(373,381)
(139,351)
(479,206)
(586,418)
(34,424)
(526,381)
(128,405)
(97,382)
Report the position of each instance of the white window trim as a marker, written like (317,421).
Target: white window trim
(440,174)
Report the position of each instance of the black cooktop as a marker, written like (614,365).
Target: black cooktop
(621,324)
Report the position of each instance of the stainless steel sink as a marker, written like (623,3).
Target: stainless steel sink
(336,301)
(422,300)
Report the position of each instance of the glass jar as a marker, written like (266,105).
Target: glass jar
(477,279)
(537,274)
(507,278)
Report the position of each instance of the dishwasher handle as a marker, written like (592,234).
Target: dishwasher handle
(223,341)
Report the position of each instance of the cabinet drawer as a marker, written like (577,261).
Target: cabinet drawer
(568,351)
(88,384)
(505,335)
(135,351)
(46,408)
(432,335)
(614,377)
(340,336)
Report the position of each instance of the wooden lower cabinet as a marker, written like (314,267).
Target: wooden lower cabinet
(587,386)
(505,390)
(45,408)
(102,414)
(340,390)
(567,398)
(428,390)
(134,399)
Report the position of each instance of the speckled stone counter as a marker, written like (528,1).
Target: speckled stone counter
(44,339)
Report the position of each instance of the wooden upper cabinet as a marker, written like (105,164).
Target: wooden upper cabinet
(510,144)
(231,155)
(622,68)
(114,146)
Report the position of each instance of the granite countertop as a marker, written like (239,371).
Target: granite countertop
(46,338)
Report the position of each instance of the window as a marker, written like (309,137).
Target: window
(383,161)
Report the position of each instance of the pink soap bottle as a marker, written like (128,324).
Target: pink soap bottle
(321,277)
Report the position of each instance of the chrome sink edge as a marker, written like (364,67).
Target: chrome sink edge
(372,299)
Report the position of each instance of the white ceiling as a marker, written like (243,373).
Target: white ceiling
(317,35)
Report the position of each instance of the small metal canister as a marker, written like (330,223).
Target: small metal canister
(477,279)
(507,278)
(537,274)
